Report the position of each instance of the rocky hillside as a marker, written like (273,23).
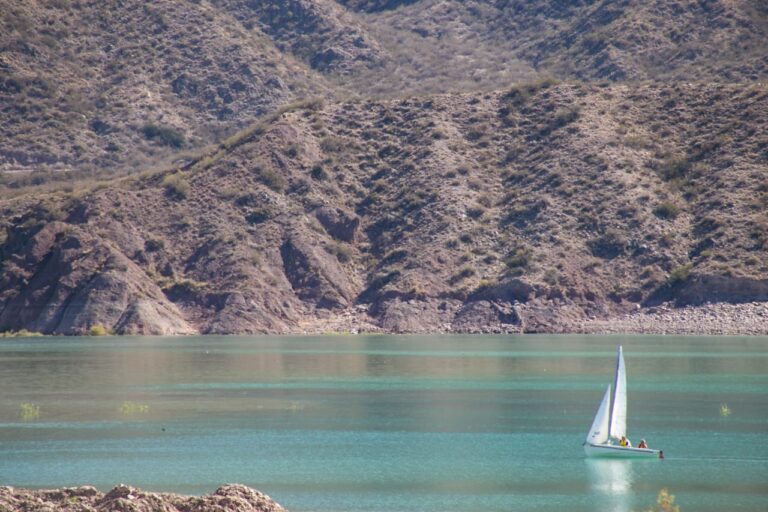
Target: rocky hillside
(308,165)
(87,86)
(538,208)
(98,88)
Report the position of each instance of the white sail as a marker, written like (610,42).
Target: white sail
(598,433)
(618,424)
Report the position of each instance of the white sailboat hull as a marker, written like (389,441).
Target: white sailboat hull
(613,451)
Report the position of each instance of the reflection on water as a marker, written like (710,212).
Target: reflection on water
(611,480)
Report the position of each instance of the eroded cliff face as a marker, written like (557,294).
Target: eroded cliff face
(536,209)
(69,281)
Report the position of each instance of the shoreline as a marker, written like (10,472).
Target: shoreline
(227,498)
(716,319)
(711,319)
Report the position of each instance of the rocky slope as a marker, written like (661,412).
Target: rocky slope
(229,498)
(536,208)
(106,87)
(89,86)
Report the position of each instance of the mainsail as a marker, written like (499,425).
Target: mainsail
(598,433)
(618,423)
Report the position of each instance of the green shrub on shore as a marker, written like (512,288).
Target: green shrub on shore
(23,333)
(99,330)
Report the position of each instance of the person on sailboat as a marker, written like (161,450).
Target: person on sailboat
(642,444)
(625,442)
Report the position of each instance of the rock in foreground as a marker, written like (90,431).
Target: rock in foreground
(130,499)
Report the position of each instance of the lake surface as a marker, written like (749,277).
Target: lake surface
(374,423)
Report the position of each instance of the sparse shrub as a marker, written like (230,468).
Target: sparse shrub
(521,214)
(332,144)
(410,201)
(300,186)
(466,238)
(475,212)
(394,256)
(519,94)
(247,199)
(378,282)
(666,239)
(258,215)
(551,277)
(562,117)
(679,274)
(666,210)
(485,284)
(674,168)
(342,252)
(475,184)
(477,132)
(184,287)
(292,150)
(270,177)
(318,173)
(154,245)
(609,245)
(176,186)
(518,259)
(565,115)
(163,134)
(462,274)
(635,141)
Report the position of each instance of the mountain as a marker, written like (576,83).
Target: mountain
(123,85)
(236,166)
(531,208)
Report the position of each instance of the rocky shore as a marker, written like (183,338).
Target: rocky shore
(709,319)
(227,498)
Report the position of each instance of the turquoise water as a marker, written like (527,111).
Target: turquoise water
(374,423)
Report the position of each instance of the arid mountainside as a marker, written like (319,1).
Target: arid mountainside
(87,86)
(535,208)
(100,88)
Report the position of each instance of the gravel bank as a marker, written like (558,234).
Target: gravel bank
(716,319)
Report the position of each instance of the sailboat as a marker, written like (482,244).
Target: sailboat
(610,422)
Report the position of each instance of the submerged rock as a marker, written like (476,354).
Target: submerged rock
(231,497)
